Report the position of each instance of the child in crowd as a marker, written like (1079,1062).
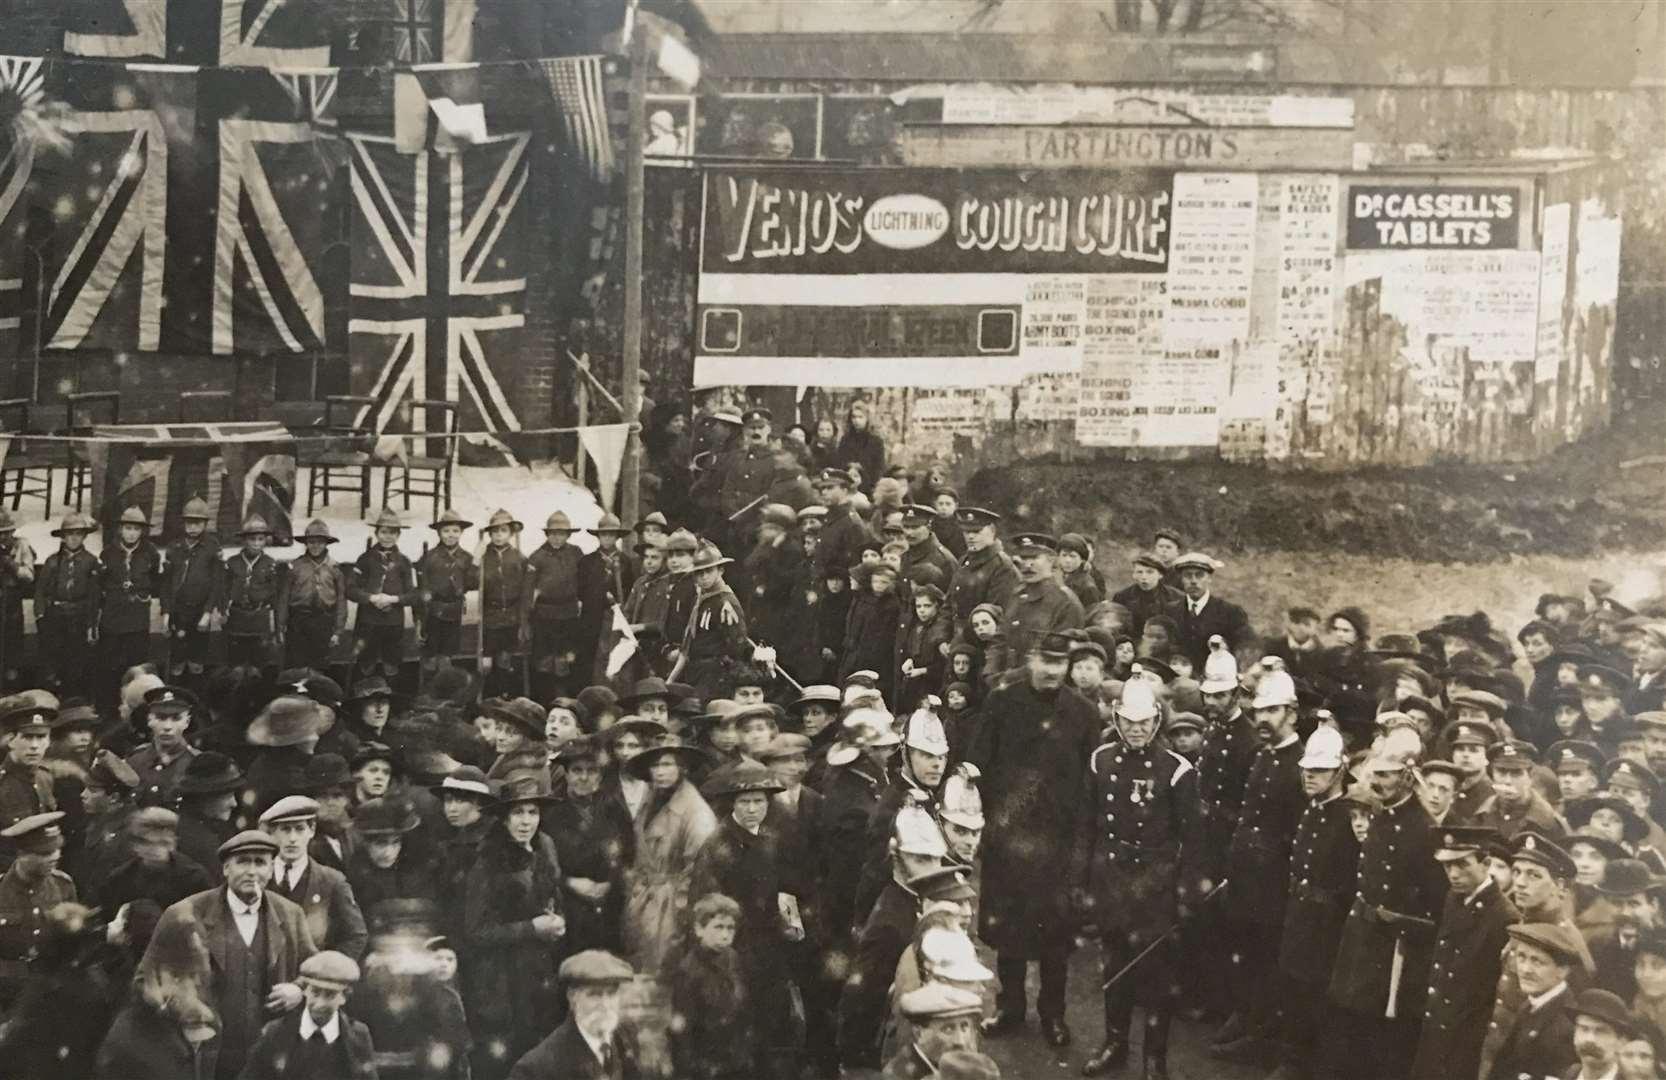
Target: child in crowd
(920,651)
(712,1037)
(871,630)
(986,622)
(1185,732)
(833,612)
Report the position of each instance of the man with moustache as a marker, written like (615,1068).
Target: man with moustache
(256,939)
(1631,890)
(1040,605)
(1032,749)
(593,1043)
(1258,867)
(1229,748)
(1382,962)
(744,475)
(1601,1022)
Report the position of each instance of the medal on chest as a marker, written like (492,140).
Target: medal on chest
(1144,791)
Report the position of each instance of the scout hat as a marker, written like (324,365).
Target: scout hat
(594,967)
(708,557)
(317,530)
(287,720)
(21,714)
(503,517)
(134,516)
(937,1001)
(1535,847)
(249,840)
(1456,841)
(466,781)
(37,834)
(330,968)
(209,773)
(254,525)
(196,509)
(451,517)
(925,733)
(388,519)
(558,522)
(655,518)
(385,817)
(75,521)
(740,778)
(967,1065)
(690,758)
(1324,750)
(290,808)
(1606,1006)
(609,525)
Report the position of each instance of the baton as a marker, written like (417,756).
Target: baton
(1170,932)
(743,511)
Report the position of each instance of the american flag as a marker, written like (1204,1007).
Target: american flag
(579,88)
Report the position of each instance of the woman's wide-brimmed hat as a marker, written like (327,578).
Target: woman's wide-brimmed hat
(689,757)
(385,817)
(525,786)
(288,720)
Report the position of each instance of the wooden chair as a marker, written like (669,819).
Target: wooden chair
(425,473)
(25,469)
(343,463)
(79,410)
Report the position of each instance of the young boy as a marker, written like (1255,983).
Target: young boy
(1087,668)
(253,580)
(920,648)
(714,1040)
(1076,571)
(505,602)
(680,548)
(286,1046)
(832,612)
(446,575)
(756,727)
(67,602)
(871,629)
(312,602)
(383,585)
(129,575)
(1185,735)
(646,606)
(193,580)
(557,611)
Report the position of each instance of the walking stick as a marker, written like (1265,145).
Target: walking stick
(1170,932)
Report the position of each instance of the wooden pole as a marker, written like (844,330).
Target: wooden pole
(630,473)
(583,418)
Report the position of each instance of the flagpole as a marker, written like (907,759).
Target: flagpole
(630,473)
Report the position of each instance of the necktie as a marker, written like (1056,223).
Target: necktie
(289,881)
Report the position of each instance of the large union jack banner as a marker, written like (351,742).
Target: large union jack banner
(247,33)
(438,296)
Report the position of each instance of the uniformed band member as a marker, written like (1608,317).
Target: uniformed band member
(312,602)
(253,581)
(383,585)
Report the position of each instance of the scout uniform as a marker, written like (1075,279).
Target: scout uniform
(1039,607)
(379,633)
(66,604)
(193,585)
(446,575)
(159,779)
(1535,813)
(983,577)
(17,577)
(556,607)
(716,629)
(26,903)
(252,587)
(505,604)
(129,577)
(312,604)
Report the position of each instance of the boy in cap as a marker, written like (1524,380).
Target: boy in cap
(593,1042)
(1148,595)
(312,603)
(67,602)
(318,1041)
(252,582)
(30,889)
(383,585)
(193,585)
(324,895)
(1076,570)
(1467,959)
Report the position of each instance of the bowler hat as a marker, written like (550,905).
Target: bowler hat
(1604,1005)
(710,558)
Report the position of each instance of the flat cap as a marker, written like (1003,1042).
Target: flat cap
(290,808)
(939,1001)
(829,477)
(1150,561)
(153,821)
(249,840)
(330,967)
(1559,941)
(595,966)
(1197,560)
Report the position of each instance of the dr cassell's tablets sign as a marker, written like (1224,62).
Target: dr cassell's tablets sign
(1410,217)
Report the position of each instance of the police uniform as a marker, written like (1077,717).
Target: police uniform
(25,905)
(1324,860)
(128,578)
(744,474)
(447,575)
(379,634)
(983,577)
(66,605)
(193,585)
(252,586)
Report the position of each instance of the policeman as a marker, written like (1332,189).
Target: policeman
(192,591)
(1140,829)
(744,475)
(29,891)
(1040,605)
(986,574)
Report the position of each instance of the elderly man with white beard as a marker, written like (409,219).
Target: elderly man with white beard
(593,1043)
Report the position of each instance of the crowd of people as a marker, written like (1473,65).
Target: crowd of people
(811,811)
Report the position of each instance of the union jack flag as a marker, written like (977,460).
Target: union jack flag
(29,121)
(438,290)
(245,33)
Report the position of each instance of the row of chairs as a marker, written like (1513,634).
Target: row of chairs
(345,462)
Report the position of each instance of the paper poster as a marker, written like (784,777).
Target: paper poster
(1049,396)
(1553,292)
(1052,329)
(1597,262)
(1306,319)
(1122,337)
(1212,258)
(984,103)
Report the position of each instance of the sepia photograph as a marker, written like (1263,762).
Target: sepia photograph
(832,539)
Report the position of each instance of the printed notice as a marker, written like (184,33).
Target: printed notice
(1212,258)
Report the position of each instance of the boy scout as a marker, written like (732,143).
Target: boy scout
(130,574)
(17,576)
(557,607)
(67,600)
(383,585)
(192,591)
(252,586)
(505,603)
(445,575)
(312,602)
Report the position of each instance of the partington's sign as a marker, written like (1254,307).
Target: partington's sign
(1069,146)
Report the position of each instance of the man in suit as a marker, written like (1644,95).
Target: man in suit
(332,913)
(1206,614)
(256,941)
(1540,1042)
(319,1042)
(592,1044)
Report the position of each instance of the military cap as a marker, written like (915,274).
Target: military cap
(451,517)
(153,821)
(466,781)
(1491,703)
(1606,1006)
(388,519)
(829,477)
(595,966)
(111,773)
(22,714)
(946,883)
(169,699)
(1570,755)
(1469,733)
(1035,544)
(967,1065)
(1626,877)
(37,834)
(249,840)
(1456,841)
(1600,679)
(1535,847)
(757,415)
(1434,712)
(75,713)
(1197,560)
(1629,774)
(976,517)
(1053,645)
(1184,721)
(917,514)
(1445,768)
(290,808)
(939,1001)
(75,521)
(1513,754)
(330,968)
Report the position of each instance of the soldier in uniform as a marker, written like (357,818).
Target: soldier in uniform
(1468,958)
(17,577)
(1469,743)
(1382,963)
(130,575)
(924,549)
(1148,595)
(67,602)
(312,602)
(985,575)
(446,575)
(25,786)
(161,764)
(744,475)
(192,591)
(383,585)
(505,606)
(1138,864)
(31,888)
(557,610)
(844,533)
(1516,804)
(1323,862)
(1040,605)
(1258,867)
(252,585)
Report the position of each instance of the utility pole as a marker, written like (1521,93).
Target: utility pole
(630,472)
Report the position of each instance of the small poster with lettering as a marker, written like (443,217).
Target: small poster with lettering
(1411,217)
(1052,330)
(1122,332)
(1212,257)
(1553,291)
